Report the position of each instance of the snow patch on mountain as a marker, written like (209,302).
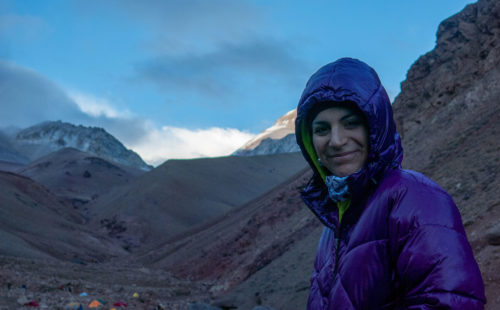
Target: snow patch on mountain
(47,137)
(279,138)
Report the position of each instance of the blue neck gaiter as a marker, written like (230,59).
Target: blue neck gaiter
(337,187)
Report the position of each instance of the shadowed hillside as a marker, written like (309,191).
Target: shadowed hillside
(181,194)
(240,242)
(76,176)
(33,223)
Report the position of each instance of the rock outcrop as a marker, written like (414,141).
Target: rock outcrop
(448,114)
(449,109)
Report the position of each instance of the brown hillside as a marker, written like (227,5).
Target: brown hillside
(181,194)
(76,176)
(33,223)
(243,241)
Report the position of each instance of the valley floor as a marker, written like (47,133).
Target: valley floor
(54,285)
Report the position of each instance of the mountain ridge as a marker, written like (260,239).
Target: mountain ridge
(41,139)
(279,138)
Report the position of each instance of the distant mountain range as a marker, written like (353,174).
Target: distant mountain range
(20,147)
(39,140)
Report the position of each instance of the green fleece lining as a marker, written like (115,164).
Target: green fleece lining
(308,145)
(342,206)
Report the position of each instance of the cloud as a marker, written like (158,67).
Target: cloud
(218,49)
(176,27)
(189,25)
(27,98)
(221,73)
(173,142)
(210,52)
(97,107)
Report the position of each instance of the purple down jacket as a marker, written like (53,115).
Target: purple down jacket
(401,243)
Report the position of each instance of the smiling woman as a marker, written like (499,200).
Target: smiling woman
(340,139)
(393,239)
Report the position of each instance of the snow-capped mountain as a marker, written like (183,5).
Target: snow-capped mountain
(279,138)
(47,137)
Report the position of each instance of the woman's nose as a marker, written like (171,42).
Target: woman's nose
(337,137)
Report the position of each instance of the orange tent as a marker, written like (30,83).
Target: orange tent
(95,304)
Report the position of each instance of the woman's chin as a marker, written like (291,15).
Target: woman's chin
(344,171)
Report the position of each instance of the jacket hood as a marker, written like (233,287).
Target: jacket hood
(352,81)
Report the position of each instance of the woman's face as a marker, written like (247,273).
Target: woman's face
(340,138)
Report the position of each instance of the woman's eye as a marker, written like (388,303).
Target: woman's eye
(320,130)
(353,122)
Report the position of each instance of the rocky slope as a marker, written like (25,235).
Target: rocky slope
(47,137)
(448,113)
(279,138)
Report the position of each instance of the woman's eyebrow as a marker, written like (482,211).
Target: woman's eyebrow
(349,114)
(320,122)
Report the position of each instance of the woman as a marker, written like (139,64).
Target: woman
(393,239)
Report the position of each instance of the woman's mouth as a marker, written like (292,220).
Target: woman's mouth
(342,157)
(343,154)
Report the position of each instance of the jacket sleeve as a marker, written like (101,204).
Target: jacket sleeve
(435,265)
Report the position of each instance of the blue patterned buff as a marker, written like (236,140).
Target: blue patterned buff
(337,187)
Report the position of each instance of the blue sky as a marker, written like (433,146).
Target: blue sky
(192,78)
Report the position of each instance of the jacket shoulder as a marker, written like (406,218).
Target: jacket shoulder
(429,246)
(417,200)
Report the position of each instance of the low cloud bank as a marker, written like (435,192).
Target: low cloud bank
(28,98)
(173,142)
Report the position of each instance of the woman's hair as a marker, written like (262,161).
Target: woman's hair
(320,106)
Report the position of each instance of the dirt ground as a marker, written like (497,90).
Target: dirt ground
(54,285)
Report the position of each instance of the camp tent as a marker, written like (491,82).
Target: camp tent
(96,303)
(74,306)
